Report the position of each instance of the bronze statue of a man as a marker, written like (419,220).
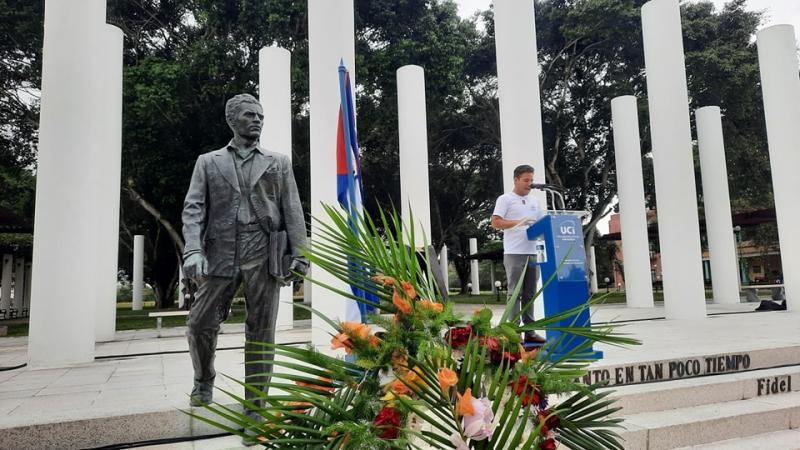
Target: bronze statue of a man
(242,223)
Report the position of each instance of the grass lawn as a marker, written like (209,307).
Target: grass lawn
(138,320)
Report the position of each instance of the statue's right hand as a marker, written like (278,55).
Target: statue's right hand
(195,266)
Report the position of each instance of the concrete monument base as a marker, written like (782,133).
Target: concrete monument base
(734,375)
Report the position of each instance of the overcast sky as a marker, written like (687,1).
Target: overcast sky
(778,11)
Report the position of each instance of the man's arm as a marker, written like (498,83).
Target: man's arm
(194,210)
(499,223)
(292,210)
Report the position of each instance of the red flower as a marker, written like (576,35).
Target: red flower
(458,337)
(388,420)
(491,343)
(550,423)
(526,389)
(548,444)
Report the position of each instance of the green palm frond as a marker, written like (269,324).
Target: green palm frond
(317,401)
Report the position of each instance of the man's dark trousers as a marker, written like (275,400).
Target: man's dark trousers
(213,301)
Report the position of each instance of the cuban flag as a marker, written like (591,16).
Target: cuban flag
(348,180)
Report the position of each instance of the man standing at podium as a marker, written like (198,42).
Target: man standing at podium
(513,212)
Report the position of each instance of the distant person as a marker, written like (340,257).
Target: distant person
(513,213)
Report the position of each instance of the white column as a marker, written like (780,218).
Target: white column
(593,268)
(138,272)
(717,205)
(26,299)
(777,58)
(633,217)
(275,94)
(474,278)
(19,284)
(518,90)
(5,283)
(109,158)
(413,128)
(331,38)
(678,225)
(62,317)
(444,263)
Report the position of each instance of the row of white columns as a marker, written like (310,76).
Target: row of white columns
(16,273)
(679,237)
(80,78)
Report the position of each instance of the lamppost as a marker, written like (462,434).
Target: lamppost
(497,286)
(607,280)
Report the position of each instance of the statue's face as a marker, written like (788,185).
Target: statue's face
(249,121)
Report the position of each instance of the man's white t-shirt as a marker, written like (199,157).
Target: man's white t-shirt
(511,206)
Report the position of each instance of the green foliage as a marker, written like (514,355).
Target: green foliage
(318,401)
(184,58)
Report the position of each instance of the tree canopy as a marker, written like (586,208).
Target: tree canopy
(184,58)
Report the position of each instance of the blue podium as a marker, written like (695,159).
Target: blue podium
(563,254)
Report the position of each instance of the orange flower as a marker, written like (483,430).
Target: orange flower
(477,311)
(342,340)
(317,386)
(435,307)
(356,330)
(408,289)
(373,340)
(447,379)
(302,406)
(464,403)
(384,279)
(399,388)
(403,305)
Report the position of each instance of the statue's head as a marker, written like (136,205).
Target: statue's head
(245,116)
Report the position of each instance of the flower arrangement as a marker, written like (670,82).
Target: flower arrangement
(419,375)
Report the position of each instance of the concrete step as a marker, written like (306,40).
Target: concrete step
(650,397)
(778,440)
(692,365)
(705,424)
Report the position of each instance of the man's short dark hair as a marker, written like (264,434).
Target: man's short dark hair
(522,169)
(234,103)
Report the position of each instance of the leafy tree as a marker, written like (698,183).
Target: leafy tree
(21,62)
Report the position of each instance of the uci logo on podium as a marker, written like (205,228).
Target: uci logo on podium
(568,228)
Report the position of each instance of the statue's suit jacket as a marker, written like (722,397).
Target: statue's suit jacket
(212,203)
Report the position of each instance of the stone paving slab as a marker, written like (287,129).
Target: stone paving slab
(121,390)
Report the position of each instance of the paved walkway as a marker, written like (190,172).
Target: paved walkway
(133,374)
